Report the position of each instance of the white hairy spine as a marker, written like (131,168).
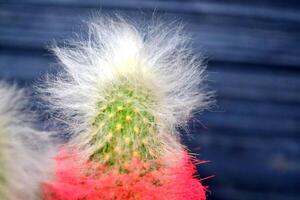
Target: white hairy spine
(24,153)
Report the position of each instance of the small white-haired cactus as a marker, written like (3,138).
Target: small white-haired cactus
(23,160)
(123,92)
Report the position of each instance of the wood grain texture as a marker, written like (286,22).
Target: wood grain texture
(239,33)
(252,135)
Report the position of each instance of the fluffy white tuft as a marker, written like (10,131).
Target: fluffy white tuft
(158,55)
(24,152)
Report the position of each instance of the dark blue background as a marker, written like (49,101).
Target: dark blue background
(252,136)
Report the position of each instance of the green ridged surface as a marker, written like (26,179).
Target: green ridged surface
(124,126)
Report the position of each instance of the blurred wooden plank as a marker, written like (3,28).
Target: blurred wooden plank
(256,85)
(274,111)
(255,125)
(227,8)
(24,67)
(216,35)
(252,119)
(260,94)
(235,194)
(269,164)
(253,76)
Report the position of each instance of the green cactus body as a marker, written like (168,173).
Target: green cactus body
(124,126)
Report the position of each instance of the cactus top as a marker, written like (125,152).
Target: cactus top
(124,82)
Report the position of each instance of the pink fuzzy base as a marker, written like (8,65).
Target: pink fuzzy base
(78,181)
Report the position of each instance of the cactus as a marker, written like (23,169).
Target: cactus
(123,93)
(24,151)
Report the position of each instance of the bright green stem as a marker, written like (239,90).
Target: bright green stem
(125,126)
